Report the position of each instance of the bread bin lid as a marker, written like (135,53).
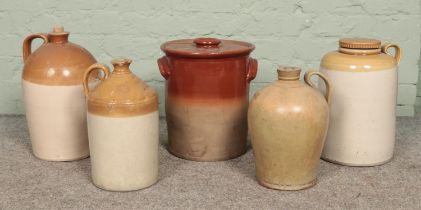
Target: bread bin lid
(206,48)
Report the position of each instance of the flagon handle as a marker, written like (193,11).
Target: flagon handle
(307,79)
(397,55)
(164,67)
(88,72)
(27,44)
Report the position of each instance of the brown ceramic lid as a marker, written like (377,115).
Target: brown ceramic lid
(206,48)
(359,43)
(121,93)
(56,62)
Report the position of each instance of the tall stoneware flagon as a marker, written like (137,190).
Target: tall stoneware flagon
(123,129)
(362,120)
(288,121)
(53,96)
(207,83)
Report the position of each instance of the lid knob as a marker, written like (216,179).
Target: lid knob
(359,43)
(207,42)
(289,73)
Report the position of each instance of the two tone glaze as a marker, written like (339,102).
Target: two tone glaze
(362,120)
(53,96)
(123,127)
(207,83)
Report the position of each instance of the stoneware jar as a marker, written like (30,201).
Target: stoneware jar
(53,96)
(362,120)
(207,82)
(288,121)
(123,129)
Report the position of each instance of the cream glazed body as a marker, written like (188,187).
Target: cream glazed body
(63,109)
(123,127)
(124,151)
(363,108)
(53,96)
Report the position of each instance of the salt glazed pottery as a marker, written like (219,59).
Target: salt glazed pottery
(207,82)
(53,96)
(123,129)
(288,121)
(362,120)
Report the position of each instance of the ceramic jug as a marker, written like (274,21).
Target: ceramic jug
(123,128)
(288,121)
(362,120)
(207,83)
(53,96)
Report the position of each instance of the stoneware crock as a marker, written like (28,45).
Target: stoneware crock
(362,119)
(207,83)
(288,121)
(123,129)
(53,96)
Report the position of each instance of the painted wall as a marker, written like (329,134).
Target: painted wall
(286,32)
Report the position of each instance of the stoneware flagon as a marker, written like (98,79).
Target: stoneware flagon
(207,83)
(123,127)
(53,96)
(288,121)
(362,120)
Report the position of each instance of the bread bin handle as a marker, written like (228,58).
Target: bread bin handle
(89,70)
(397,56)
(307,79)
(27,43)
(164,67)
(251,69)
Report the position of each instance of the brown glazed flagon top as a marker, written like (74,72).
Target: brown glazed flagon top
(361,55)
(57,61)
(121,93)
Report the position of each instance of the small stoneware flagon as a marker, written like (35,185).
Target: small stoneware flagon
(207,84)
(53,96)
(123,129)
(288,121)
(362,120)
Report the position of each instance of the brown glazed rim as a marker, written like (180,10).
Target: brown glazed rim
(243,48)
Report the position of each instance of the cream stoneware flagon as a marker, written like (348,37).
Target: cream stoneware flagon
(53,96)
(123,128)
(288,121)
(362,119)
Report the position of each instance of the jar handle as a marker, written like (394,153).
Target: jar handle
(164,67)
(307,79)
(397,56)
(89,70)
(251,69)
(27,43)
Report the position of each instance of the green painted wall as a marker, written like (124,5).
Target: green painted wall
(285,33)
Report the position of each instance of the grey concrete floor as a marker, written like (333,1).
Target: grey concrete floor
(29,183)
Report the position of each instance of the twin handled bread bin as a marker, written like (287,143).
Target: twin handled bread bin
(206,99)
